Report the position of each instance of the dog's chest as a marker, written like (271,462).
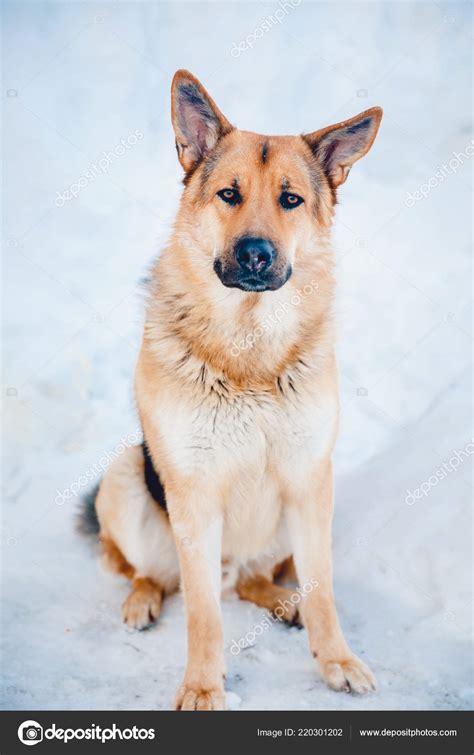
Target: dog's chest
(244,436)
(248,448)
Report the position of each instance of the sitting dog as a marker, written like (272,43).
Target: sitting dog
(236,387)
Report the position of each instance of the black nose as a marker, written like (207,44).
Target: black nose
(255,255)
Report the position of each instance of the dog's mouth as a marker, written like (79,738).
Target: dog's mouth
(234,278)
(252,284)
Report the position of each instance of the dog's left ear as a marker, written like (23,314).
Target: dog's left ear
(339,146)
(197,121)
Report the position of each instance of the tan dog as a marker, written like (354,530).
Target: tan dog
(236,386)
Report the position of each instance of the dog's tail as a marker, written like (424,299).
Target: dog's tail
(87,520)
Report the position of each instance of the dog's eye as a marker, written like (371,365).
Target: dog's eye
(290,201)
(231,196)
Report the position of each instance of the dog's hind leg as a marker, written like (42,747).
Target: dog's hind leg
(136,538)
(143,604)
(280,601)
(114,560)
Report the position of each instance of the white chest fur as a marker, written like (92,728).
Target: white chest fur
(246,443)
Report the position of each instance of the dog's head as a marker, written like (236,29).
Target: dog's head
(257,203)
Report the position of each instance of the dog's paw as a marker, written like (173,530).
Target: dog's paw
(348,675)
(142,607)
(195,697)
(290,615)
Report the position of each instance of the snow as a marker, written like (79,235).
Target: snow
(87,76)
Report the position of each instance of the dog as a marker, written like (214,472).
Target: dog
(236,388)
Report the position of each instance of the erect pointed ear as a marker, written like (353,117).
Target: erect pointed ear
(197,121)
(338,147)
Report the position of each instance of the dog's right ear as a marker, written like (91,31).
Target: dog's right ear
(197,121)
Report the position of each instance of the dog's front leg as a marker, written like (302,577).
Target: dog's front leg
(309,517)
(197,526)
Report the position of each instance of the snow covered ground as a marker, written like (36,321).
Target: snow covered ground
(78,78)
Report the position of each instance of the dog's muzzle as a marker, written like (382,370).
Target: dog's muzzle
(254,266)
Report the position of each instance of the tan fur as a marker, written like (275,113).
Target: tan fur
(278,600)
(114,560)
(143,605)
(285,571)
(242,443)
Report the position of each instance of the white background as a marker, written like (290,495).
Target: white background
(79,78)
